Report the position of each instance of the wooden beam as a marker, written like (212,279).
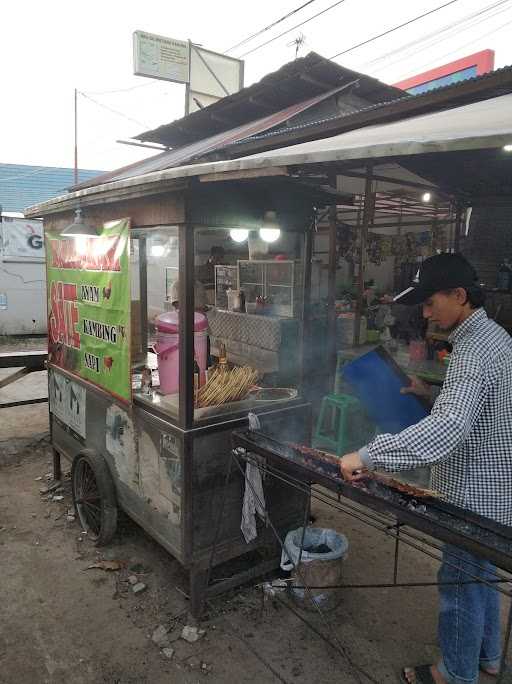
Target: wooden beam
(243,174)
(316,82)
(262,103)
(393,181)
(147,211)
(14,376)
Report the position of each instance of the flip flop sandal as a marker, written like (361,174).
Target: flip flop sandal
(423,675)
(492,674)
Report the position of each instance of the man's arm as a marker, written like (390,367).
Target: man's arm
(437,436)
(421,389)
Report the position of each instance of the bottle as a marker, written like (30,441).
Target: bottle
(223,358)
(146,380)
(504,280)
(197,376)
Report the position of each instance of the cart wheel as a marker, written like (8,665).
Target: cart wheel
(94,496)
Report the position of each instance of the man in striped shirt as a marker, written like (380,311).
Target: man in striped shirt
(467,439)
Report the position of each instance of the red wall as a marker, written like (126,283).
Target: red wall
(484,62)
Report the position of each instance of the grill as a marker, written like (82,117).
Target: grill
(434,517)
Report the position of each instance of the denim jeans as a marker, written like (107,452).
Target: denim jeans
(469,618)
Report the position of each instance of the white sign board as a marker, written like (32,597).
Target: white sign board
(21,240)
(160,57)
(67,402)
(212,77)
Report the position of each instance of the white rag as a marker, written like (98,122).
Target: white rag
(254,498)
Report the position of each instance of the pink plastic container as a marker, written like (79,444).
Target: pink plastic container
(167,348)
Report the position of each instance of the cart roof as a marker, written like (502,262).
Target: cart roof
(484,125)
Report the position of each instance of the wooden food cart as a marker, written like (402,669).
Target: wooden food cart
(159,457)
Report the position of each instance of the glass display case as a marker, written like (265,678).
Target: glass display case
(274,281)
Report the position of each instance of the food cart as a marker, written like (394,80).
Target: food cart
(133,402)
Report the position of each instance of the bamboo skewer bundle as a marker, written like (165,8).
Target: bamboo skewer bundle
(225,385)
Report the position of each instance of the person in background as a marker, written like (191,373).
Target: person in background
(467,439)
(199,295)
(206,272)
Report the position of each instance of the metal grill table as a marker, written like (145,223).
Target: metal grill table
(395,513)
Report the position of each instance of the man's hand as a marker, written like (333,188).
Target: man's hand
(417,387)
(351,466)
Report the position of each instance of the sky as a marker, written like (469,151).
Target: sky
(50,48)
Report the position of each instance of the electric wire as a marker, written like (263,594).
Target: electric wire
(114,111)
(410,50)
(267,28)
(271,40)
(461,47)
(394,28)
(122,90)
(435,37)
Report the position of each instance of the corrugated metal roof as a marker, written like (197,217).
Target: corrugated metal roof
(22,185)
(452,87)
(187,153)
(294,82)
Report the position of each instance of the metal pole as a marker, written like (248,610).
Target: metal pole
(186,318)
(143,284)
(331,292)
(76,139)
(369,206)
(306,312)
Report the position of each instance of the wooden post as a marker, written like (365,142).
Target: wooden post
(331,291)
(368,212)
(398,264)
(458,226)
(76,138)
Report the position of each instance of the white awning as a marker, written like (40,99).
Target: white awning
(485,124)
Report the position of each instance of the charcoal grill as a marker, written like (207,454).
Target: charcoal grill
(434,517)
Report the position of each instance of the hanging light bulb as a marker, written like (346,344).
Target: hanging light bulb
(79,228)
(270,231)
(426,197)
(239,234)
(157,250)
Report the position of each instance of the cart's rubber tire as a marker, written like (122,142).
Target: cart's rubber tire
(94,496)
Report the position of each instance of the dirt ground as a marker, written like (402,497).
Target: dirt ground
(61,622)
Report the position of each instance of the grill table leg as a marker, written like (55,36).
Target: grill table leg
(198,585)
(57,471)
(397,547)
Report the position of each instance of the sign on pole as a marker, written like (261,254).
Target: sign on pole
(212,77)
(209,76)
(160,57)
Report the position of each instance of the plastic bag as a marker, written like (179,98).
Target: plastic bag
(314,537)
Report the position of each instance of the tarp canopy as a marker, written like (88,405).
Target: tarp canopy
(481,125)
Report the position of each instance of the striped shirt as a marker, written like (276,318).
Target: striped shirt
(467,438)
